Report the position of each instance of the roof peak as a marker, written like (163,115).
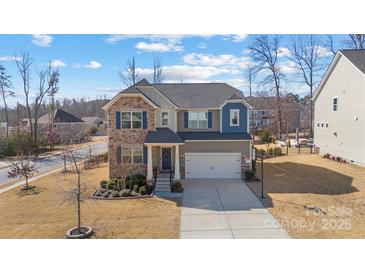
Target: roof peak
(142,82)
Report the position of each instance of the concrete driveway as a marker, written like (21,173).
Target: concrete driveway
(225,209)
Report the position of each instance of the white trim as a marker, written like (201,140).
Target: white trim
(162,144)
(121,94)
(242,101)
(230,117)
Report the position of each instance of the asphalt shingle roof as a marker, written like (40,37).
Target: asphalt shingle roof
(214,135)
(60,116)
(357,57)
(163,135)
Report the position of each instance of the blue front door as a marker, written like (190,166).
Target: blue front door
(166,158)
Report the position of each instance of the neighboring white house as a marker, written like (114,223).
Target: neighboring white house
(339,108)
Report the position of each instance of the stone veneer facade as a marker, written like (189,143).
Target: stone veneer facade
(127,136)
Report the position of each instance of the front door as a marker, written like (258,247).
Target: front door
(166,158)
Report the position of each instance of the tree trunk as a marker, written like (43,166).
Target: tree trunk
(6,114)
(78,204)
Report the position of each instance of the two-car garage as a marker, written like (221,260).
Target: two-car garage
(212,165)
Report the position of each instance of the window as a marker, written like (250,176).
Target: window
(322,124)
(317,124)
(335,102)
(198,120)
(326,125)
(254,113)
(266,122)
(132,119)
(132,155)
(263,112)
(164,118)
(234,117)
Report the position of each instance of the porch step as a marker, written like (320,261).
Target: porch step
(163,189)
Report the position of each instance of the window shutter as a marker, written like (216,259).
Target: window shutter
(145,155)
(117,119)
(119,155)
(186,119)
(144,119)
(209,119)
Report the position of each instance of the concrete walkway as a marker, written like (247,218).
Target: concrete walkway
(225,209)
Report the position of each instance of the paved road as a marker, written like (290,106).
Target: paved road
(51,162)
(223,209)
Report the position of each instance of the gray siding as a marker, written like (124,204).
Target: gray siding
(345,135)
(215,122)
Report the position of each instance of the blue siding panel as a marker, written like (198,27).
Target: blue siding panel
(144,119)
(117,119)
(186,119)
(226,128)
(209,119)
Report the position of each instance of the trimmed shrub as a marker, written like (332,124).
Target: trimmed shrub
(125,193)
(135,188)
(138,179)
(142,190)
(338,158)
(270,151)
(177,187)
(277,151)
(103,183)
(120,184)
(249,175)
(112,184)
(327,156)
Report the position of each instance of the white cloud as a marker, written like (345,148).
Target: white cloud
(284,52)
(42,40)
(202,45)
(9,58)
(236,38)
(223,60)
(323,52)
(159,47)
(91,65)
(114,38)
(288,67)
(58,63)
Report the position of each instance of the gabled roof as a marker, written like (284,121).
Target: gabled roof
(60,116)
(187,95)
(356,57)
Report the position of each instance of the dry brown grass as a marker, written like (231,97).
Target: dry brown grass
(44,215)
(291,182)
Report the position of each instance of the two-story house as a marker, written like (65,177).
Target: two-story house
(339,108)
(198,130)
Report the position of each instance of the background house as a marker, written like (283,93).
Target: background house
(339,113)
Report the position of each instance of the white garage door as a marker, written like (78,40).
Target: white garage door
(213,165)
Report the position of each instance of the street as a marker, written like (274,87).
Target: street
(49,163)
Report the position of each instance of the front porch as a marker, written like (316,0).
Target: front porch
(163,152)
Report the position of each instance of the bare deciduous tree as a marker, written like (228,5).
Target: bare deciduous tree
(5,90)
(48,81)
(76,194)
(24,63)
(355,41)
(157,71)
(330,44)
(264,52)
(129,75)
(306,55)
(250,75)
(23,168)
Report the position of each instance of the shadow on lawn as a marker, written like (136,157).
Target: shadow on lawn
(288,177)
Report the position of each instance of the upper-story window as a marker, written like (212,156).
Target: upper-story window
(164,118)
(263,112)
(234,117)
(254,113)
(335,103)
(131,119)
(198,120)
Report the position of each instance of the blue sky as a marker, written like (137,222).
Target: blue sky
(89,64)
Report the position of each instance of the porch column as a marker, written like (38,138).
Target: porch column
(149,163)
(177,163)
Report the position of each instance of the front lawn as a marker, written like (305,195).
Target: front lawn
(45,215)
(313,197)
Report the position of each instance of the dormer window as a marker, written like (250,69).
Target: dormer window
(335,103)
(234,117)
